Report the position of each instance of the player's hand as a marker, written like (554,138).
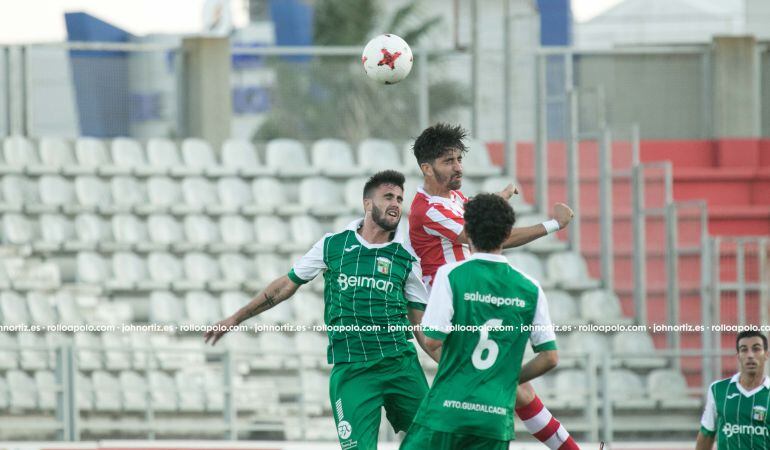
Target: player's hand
(563,214)
(508,192)
(221,328)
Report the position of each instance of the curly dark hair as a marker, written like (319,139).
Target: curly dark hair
(488,221)
(748,334)
(437,140)
(385,177)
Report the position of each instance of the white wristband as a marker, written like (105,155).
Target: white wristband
(551,226)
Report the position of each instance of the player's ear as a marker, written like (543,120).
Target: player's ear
(367,205)
(427,169)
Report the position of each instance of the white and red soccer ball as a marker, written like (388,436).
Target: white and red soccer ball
(387,59)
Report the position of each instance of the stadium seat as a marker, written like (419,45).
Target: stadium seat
(129,270)
(636,350)
(602,307)
(562,307)
(128,194)
(141,351)
(88,351)
(240,155)
(334,158)
(163,153)
(46,387)
(470,188)
(545,244)
(93,194)
(342,222)
(233,301)
(134,391)
(92,268)
(41,309)
(202,308)
(270,194)
(57,155)
(199,195)
(55,193)
(163,193)
(235,269)
(200,269)
(165,231)
(354,193)
(308,309)
(669,388)
(530,265)
(91,230)
(587,342)
(568,270)
(235,196)
(375,155)
(236,234)
(201,231)
(128,154)
(18,193)
(19,154)
(279,314)
(162,391)
(164,268)
(107,391)
(18,229)
(627,391)
(572,387)
(32,353)
(497,184)
(4,394)
(165,308)
(288,158)
(55,232)
(321,197)
(67,308)
(190,387)
(23,392)
(476,162)
(271,231)
(117,355)
(92,154)
(305,231)
(198,154)
(129,230)
(271,266)
(9,359)
(55,340)
(13,309)
(84,398)
(214,389)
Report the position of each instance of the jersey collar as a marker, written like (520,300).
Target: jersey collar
(449,202)
(735,379)
(398,236)
(489,257)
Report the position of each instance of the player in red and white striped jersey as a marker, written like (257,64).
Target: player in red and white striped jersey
(436,233)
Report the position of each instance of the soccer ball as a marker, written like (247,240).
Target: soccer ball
(387,59)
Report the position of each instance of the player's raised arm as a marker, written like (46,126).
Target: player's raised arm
(519,236)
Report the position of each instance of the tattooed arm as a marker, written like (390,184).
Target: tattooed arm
(277,291)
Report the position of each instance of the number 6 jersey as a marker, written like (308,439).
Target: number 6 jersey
(485,311)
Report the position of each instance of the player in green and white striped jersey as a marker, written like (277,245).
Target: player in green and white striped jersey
(481,313)
(736,408)
(373,289)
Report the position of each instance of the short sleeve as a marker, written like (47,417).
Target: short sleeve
(542,336)
(415,291)
(310,265)
(708,421)
(437,321)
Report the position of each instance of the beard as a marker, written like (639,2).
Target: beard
(381,219)
(451,183)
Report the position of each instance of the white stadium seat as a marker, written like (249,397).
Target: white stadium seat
(127,193)
(128,269)
(92,268)
(129,229)
(19,154)
(568,270)
(240,155)
(18,229)
(92,153)
(530,265)
(107,391)
(235,195)
(270,194)
(164,229)
(322,197)
(200,268)
(497,184)
(236,268)
(117,354)
(88,351)
(572,387)
(587,342)
(93,193)
(202,308)
(163,153)
(199,194)
(199,155)
(163,192)
(636,350)
(128,154)
(41,309)
(271,266)
(601,306)
(92,229)
(165,308)
(84,398)
(164,268)
(18,193)
(627,391)
(305,231)
(288,158)
(55,192)
(162,391)
(375,155)
(32,353)
(191,389)
(334,157)
(354,193)
(236,232)
(271,231)
(476,162)
(9,359)
(232,302)
(45,385)
(57,154)
(562,308)
(13,309)
(134,389)
(67,308)
(55,232)
(201,230)
(308,308)
(669,387)
(23,392)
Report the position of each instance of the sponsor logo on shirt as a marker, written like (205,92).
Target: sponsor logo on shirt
(351,248)
(353,281)
(732,396)
(492,300)
(730,430)
(477,407)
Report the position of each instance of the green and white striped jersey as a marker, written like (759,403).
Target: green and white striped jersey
(736,416)
(485,311)
(367,289)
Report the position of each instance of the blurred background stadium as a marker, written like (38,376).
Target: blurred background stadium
(161,179)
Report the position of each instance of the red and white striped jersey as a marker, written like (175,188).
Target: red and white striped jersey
(434,225)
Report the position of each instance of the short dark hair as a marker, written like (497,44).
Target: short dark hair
(488,221)
(748,334)
(437,140)
(385,177)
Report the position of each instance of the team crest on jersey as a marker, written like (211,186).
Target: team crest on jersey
(759,413)
(344,429)
(383,265)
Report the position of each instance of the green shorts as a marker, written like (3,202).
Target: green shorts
(359,390)
(421,438)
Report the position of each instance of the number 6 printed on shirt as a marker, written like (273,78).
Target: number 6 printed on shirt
(485,343)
